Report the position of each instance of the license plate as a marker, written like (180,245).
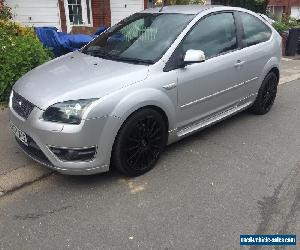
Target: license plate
(19,134)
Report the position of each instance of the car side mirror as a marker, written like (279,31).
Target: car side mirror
(193,56)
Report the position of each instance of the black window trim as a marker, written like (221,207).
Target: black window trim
(173,60)
(242,32)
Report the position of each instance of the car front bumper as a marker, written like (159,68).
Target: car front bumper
(43,135)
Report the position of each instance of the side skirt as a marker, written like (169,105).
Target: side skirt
(199,125)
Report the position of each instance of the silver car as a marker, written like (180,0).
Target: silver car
(152,79)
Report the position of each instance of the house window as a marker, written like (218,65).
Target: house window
(88,11)
(75,12)
(79,12)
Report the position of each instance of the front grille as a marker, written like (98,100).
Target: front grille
(34,151)
(22,107)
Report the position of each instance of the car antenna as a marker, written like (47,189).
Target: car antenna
(162,7)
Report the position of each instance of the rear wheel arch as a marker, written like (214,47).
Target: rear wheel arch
(273,65)
(276,71)
(266,94)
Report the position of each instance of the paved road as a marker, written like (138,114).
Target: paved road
(10,155)
(240,176)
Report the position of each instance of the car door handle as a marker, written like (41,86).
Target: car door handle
(239,64)
(170,86)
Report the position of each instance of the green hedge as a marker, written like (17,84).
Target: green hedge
(5,12)
(20,51)
(285,24)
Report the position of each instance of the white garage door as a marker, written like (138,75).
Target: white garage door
(124,8)
(36,12)
(295,12)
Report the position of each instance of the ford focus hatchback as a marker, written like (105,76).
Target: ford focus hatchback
(152,79)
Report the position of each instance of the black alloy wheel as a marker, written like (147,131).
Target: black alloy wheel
(140,142)
(266,95)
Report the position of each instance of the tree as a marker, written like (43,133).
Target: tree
(259,6)
(178,2)
(174,2)
(5,11)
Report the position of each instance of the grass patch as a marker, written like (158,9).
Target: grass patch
(3,105)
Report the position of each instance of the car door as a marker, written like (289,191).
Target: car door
(207,88)
(257,49)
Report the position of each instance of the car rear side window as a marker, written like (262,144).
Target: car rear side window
(255,31)
(214,35)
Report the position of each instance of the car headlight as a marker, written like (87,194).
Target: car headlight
(67,112)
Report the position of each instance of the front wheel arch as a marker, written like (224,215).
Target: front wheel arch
(156,108)
(118,148)
(147,98)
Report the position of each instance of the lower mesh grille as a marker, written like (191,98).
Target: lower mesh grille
(73,155)
(21,106)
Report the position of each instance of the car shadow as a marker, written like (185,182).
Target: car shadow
(211,130)
(114,175)
(88,180)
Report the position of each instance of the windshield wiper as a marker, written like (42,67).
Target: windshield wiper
(106,55)
(97,53)
(131,60)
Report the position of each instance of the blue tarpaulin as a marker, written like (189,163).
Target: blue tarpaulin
(62,43)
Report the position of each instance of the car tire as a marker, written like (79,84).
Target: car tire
(266,95)
(140,142)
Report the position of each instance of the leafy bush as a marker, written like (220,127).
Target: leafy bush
(285,24)
(20,51)
(10,28)
(5,12)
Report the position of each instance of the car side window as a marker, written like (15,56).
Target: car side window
(214,35)
(255,31)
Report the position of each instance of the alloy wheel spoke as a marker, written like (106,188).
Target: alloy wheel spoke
(132,139)
(144,143)
(272,89)
(154,133)
(133,156)
(152,127)
(132,148)
(155,146)
(158,138)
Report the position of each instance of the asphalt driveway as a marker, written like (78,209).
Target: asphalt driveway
(240,176)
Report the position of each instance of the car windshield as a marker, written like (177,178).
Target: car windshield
(140,38)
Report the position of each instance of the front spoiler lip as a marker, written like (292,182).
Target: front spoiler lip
(87,171)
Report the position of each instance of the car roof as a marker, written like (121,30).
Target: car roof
(183,9)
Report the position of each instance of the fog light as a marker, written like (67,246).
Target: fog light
(74,154)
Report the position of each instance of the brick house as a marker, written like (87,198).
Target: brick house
(277,7)
(68,15)
(287,7)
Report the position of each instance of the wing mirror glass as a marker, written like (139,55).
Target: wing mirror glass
(193,56)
